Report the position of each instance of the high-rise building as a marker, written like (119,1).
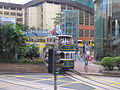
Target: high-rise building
(39,13)
(13,11)
(107,28)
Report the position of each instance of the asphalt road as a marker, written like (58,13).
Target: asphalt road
(37,81)
(32,81)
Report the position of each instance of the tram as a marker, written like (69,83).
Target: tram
(38,41)
(66,45)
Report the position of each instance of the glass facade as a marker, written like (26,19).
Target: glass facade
(88,3)
(70,23)
(107,28)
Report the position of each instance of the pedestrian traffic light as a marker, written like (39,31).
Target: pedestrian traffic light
(57,61)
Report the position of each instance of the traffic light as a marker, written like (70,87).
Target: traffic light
(83,49)
(46,55)
(52,58)
(49,59)
(57,61)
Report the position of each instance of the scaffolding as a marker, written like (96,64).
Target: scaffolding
(70,24)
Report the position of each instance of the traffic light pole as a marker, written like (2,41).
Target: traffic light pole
(55,81)
(55,76)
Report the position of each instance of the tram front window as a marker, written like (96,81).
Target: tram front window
(67,55)
(62,55)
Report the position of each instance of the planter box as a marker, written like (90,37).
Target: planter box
(23,68)
(114,72)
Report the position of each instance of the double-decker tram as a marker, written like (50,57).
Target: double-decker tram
(38,41)
(66,45)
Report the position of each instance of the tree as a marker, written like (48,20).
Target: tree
(11,39)
(33,28)
(23,27)
(32,51)
(57,19)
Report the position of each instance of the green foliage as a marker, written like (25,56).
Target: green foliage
(11,39)
(117,59)
(57,19)
(37,61)
(32,51)
(108,63)
(23,27)
(28,51)
(33,28)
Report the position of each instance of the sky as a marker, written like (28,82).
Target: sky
(16,1)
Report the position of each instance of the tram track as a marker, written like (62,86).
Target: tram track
(84,79)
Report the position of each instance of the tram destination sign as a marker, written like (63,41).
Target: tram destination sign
(66,47)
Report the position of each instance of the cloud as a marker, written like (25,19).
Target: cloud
(16,1)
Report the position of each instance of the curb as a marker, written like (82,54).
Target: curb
(97,74)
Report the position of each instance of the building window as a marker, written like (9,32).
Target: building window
(91,19)
(19,19)
(1,7)
(13,8)
(86,18)
(1,12)
(19,14)
(81,17)
(19,9)
(7,8)
(63,7)
(81,34)
(6,13)
(86,33)
(91,33)
(13,13)
(69,7)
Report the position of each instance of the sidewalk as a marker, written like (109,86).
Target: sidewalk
(91,67)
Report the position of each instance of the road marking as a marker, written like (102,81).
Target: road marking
(8,75)
(12,75)
(69,83)
(50,79)
(113,83)
(96,89)
(64,81)
(105,80)
(42,80)
(6,86)
(19,76)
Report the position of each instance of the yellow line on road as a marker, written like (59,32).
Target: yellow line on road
(42,80)
(105,80)
(64,81)
(7,75)
(5,86)
(13,75)
(68,83)
(113,83)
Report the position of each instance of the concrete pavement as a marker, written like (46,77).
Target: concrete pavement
(91,68)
